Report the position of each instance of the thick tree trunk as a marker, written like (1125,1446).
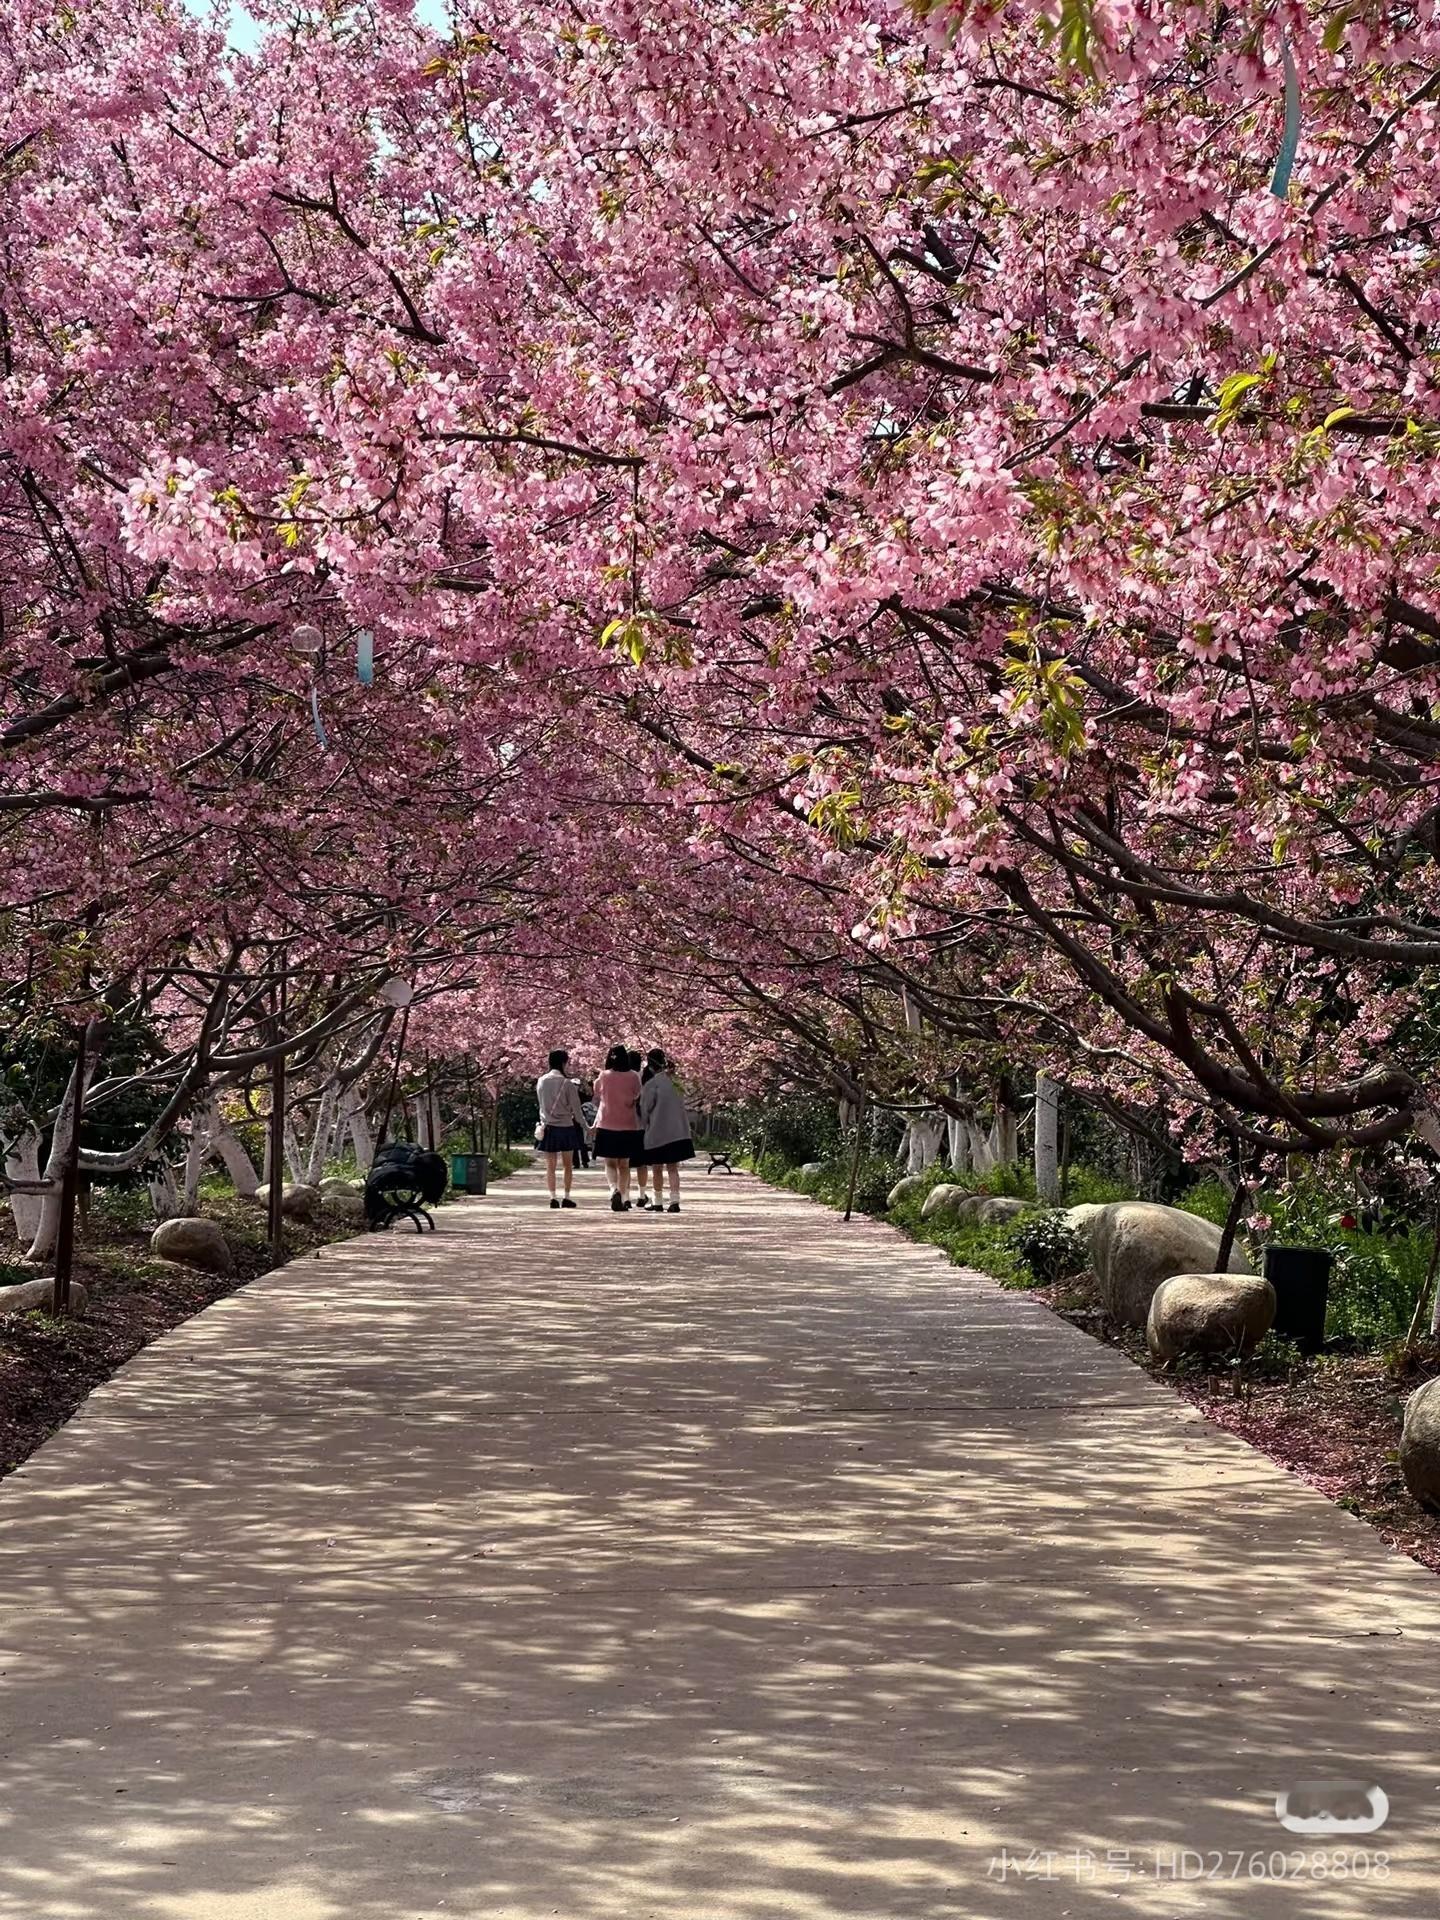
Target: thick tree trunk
(923,1136)
(427,1121)
(196,1154)
(1047,1139)
(22,1162)
(47,1226)
(294,1159)
(164,1194)
(1003,1141)
(228,1150)
(982,1157)
(362,1137)
(320,1139)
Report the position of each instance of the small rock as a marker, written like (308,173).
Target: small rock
(1209,1313)
(194,1243)
(296,1203)
(943,1199)
(994,1212)
(31,1294)
(1419,1444)
(344,1206)
(335,1188)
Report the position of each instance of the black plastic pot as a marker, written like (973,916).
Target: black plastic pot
(1301,1279)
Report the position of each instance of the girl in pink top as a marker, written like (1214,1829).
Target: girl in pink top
(619,1138)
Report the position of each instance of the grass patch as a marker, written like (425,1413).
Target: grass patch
(991,1249)
(967,1243)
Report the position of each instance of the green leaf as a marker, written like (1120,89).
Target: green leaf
(1232,391)
(1335,27)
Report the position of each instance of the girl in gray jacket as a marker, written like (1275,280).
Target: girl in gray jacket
(667,1128)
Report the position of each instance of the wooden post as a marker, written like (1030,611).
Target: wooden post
(470,1100)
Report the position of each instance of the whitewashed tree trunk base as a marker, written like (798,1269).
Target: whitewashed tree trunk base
(22,1162)
(1047,1139)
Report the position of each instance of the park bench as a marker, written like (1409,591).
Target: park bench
(719,1157)
(402,1183)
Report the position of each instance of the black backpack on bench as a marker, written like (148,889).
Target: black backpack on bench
(402,1182)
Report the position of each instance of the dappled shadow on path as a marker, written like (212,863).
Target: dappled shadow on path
(718,1568)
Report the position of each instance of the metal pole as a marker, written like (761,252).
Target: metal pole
(855,1158)
(69,1185)
(275,1210)
(470,1098)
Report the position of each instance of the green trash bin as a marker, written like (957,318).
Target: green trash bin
(468,1171)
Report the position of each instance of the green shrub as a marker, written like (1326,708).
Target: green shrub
(1087,1186)
(794,1129)
(989,1249)
(506,1160)
(872,1186)
(1015,1182)
(1209,1198)
(1373,1286)
(121,1209)
(1050,1247)
(874,1179)
(1277,1358)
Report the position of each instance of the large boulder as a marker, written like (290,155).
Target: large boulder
(943,1199)
(812,1169)
(33,1294)
(903,1189)
(1082,1219)
(344,1206)
(1209,1313)
(296,1203)
(334,1188)
(1134,1245)
(194,1243)
(1419,1444)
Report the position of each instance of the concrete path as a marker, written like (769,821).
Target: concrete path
(719,1567)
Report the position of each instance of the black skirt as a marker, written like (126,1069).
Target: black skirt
(560,1140)
(620,1143)
(671,1154)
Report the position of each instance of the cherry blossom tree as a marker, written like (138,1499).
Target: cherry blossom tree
(709,500)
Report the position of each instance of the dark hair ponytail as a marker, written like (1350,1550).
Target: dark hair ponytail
(618,1059)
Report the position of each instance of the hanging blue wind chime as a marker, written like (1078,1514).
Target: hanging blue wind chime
(1290,138)
(309,641)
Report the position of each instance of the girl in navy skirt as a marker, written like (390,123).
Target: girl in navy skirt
(667,1127)
(562,1122)
(618,1136)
